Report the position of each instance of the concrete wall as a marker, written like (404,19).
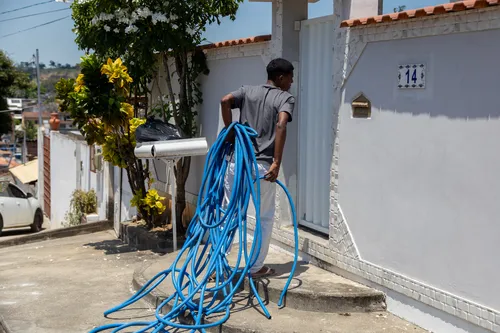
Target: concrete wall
(70,170)
(424,168)
(63,176)
(230,68)
(413,188)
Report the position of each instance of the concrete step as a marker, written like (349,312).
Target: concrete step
(247,317)
(312,288)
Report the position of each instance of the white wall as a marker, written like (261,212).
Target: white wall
(122,209)
(63,178)
(418,183)
(225,76)
(70,170)
(230,68)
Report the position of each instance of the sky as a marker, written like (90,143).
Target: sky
(55,41)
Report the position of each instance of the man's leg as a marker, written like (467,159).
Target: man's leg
(267,210)
(228,188)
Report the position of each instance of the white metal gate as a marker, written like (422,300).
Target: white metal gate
(315,121)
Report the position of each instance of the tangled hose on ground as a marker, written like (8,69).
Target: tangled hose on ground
(222,223)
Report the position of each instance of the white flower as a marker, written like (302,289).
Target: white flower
(158,17)
(173,17)
(132,63)
(154,51)
(134,17)
(107,28)
(94,21)
(143,12)
(120,13)
(131,28)
(116,30)
(175,26)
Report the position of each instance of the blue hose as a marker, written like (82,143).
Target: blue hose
(222,224)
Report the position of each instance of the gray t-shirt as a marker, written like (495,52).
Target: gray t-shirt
(259,108)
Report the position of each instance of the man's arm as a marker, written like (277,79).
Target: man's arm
(225,106)
(284,117)
(231,101)
(279,145)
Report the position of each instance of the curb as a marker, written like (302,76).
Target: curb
(142,239)
(3,326)
(58,233)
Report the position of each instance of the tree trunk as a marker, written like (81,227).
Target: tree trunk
(181,175)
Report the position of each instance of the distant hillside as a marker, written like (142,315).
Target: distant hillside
(49,76)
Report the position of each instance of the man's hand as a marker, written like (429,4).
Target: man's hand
(231,136)
(272,174)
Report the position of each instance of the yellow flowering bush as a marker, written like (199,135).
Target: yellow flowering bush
(152,202)
(98,103)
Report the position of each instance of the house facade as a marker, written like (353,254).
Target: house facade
(393,155)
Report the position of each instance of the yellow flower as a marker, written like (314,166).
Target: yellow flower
(79,83)
(128,109)
(116,72)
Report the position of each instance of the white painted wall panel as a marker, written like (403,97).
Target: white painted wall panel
(315,119)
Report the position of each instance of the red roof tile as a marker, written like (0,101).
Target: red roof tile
(4,162)
(34,115)
(427,11)
(234,42)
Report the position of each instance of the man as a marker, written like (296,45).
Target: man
(267,109)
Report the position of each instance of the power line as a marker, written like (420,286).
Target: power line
(36,4)
(47,12)
(36,26)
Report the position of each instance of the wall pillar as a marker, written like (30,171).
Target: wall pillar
(285,43)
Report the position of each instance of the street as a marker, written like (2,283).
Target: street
(57,286)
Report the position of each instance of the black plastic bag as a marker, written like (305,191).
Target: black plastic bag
(157,130)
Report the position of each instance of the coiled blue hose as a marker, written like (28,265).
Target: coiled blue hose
(222,223)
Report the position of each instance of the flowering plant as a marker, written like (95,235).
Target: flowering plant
(149,36)
(98,103)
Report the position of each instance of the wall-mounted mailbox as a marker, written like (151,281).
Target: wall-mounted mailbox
(361,107)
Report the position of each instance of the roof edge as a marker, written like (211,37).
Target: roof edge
(237,42)
(421,12)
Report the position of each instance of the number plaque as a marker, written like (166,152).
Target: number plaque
(411,76)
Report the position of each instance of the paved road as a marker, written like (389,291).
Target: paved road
(14,233)
(64,285)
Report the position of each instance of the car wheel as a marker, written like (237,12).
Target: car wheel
(1,224)
(37,221)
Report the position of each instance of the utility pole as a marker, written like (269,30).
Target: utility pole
(38,89)
(41,178)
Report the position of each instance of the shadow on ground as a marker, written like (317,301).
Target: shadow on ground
(16,232)
(113,246)
(116,246)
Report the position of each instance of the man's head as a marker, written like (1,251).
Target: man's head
(280,72)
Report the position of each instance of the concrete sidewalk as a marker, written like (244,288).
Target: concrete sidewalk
(65,285)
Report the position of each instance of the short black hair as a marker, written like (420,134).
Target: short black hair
(277,67)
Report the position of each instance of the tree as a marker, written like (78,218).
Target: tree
(52,63)
(98,103)
(12,82)
(156,31)
(398,9)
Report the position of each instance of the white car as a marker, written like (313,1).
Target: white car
(18,209)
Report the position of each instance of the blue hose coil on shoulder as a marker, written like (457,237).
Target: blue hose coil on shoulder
(194,295)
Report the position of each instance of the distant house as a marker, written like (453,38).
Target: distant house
(20,105)
(66,122)
(33,116)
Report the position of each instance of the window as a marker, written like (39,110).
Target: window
(15,192)
(8,190)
